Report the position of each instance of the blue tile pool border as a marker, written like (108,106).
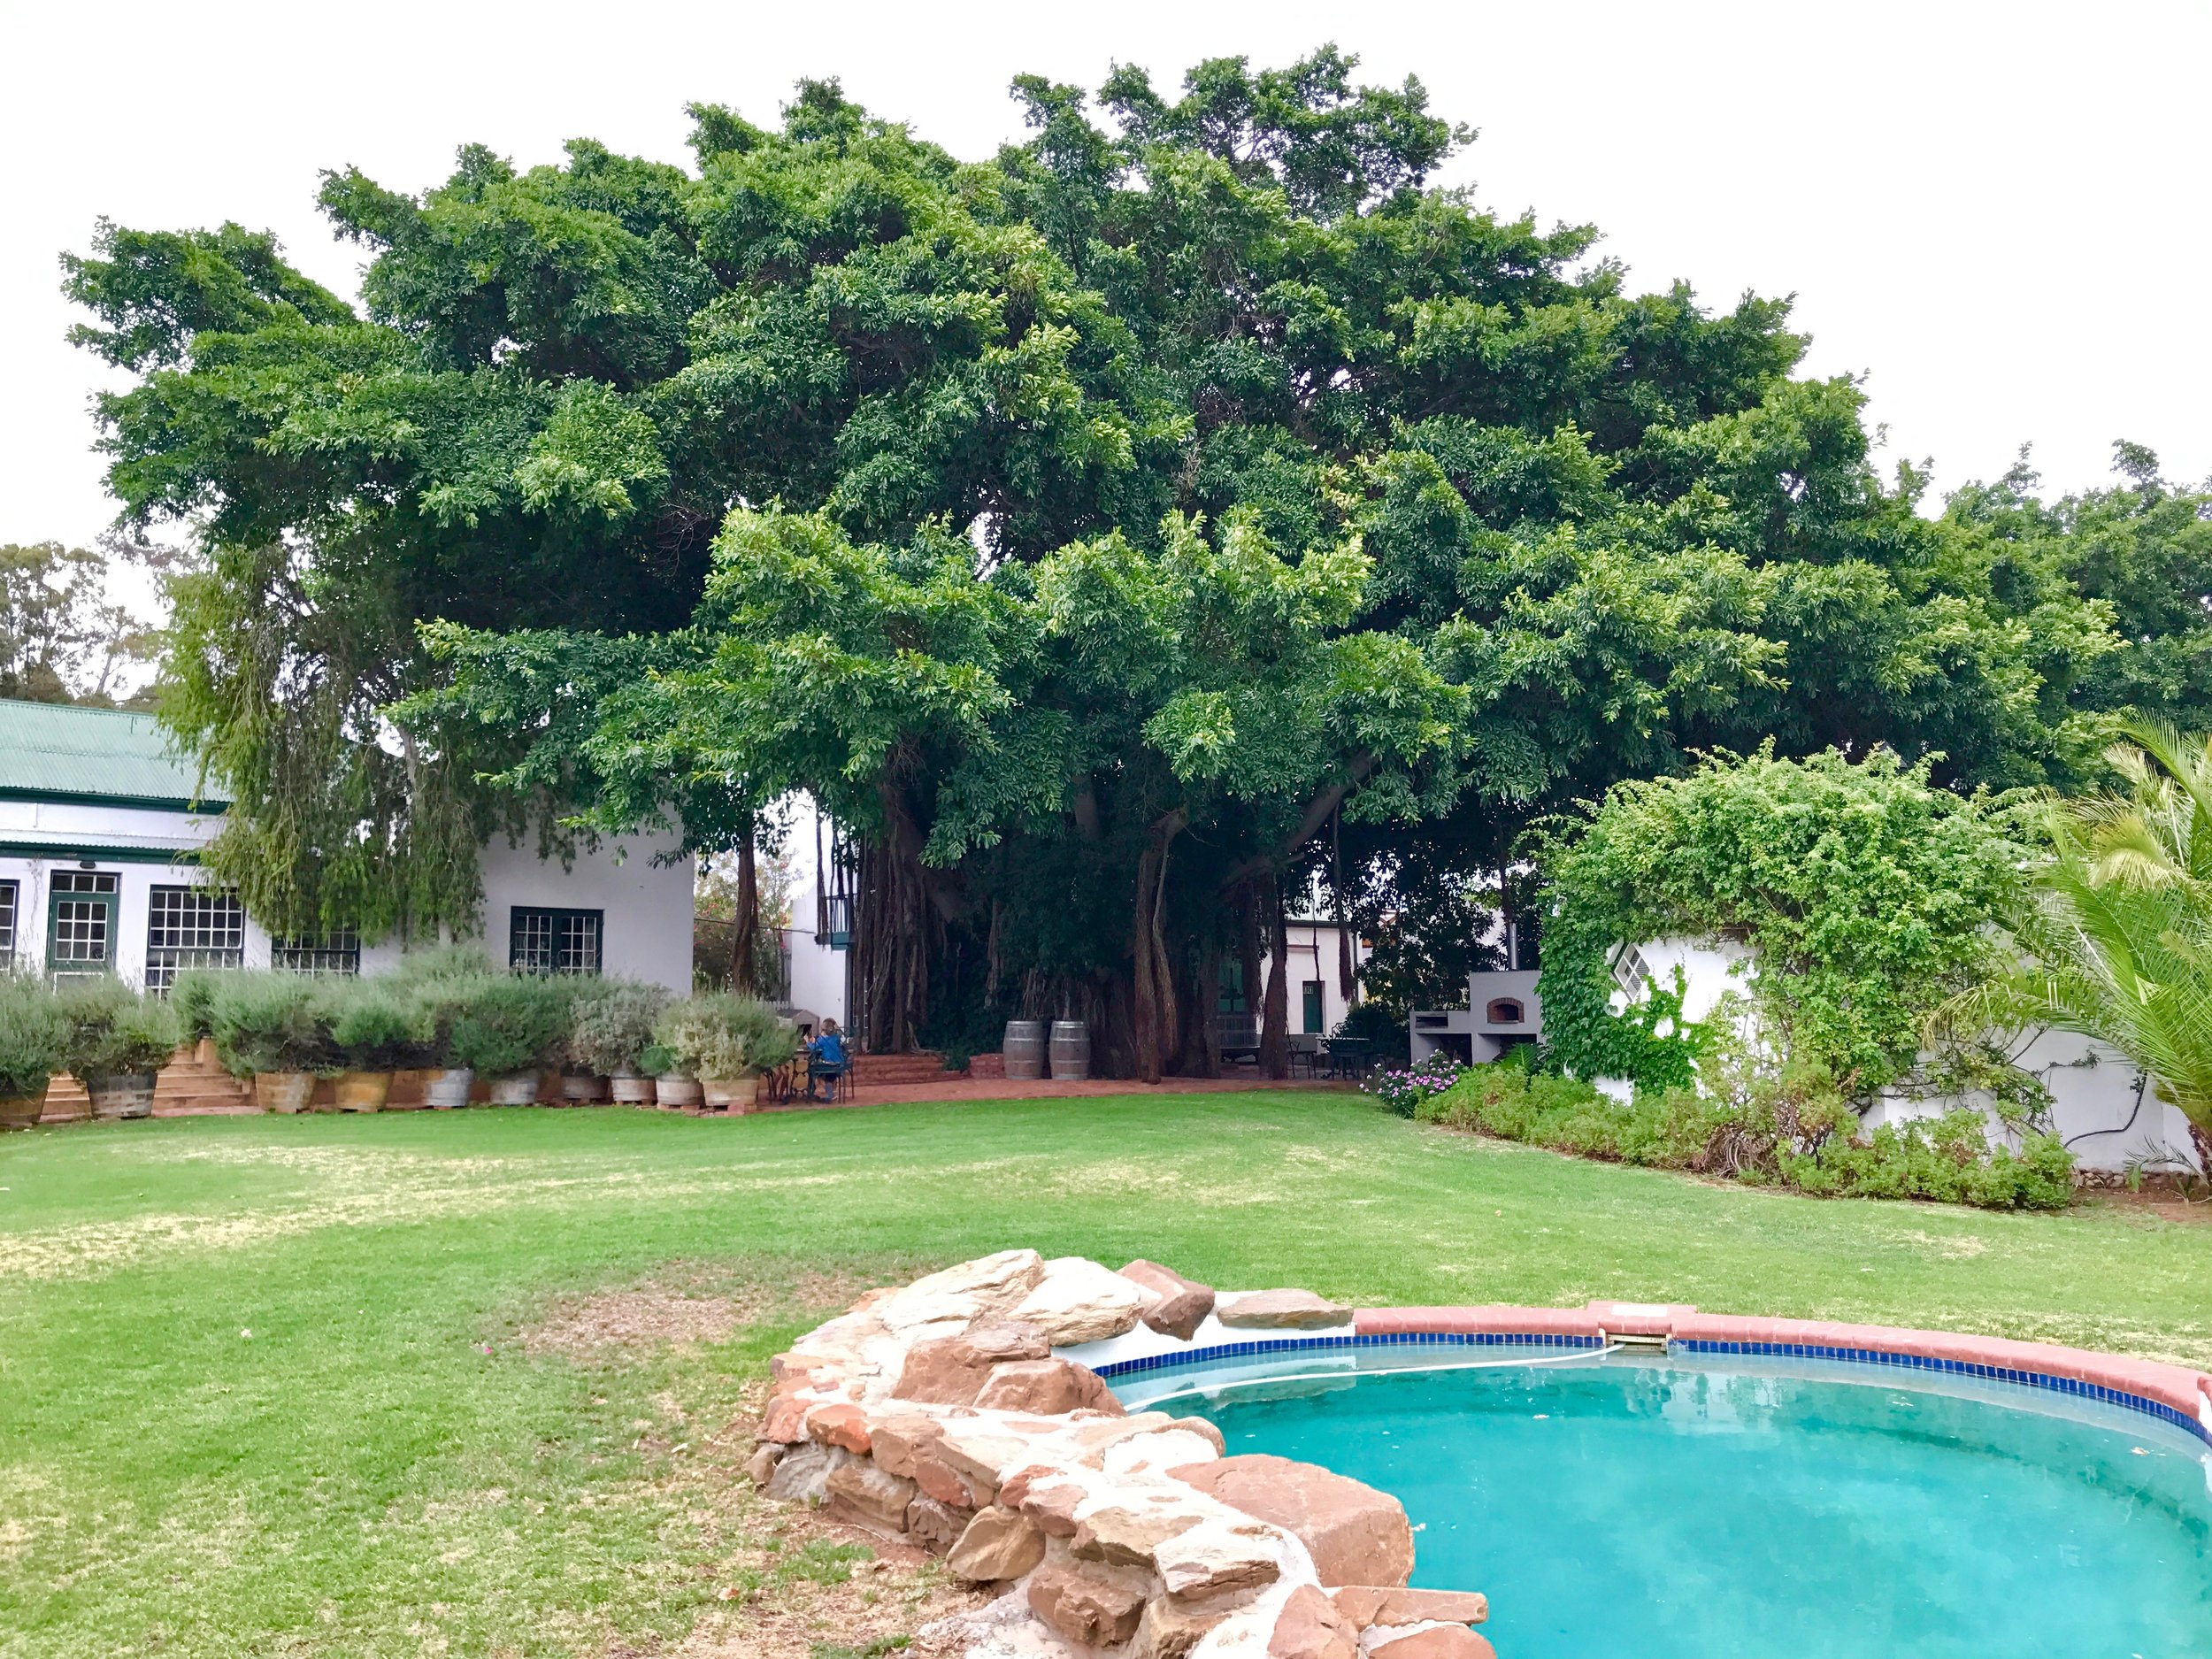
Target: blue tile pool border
(2069,1386)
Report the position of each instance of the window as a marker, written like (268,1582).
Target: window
(7,924)
(81,924)
(1313,1006)
(1630,973)
(554,941)
(192,927)
(334,954)
(1505,1010)
(1232,988)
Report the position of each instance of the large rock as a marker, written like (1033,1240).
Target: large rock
(1049,1387)
(803,1476)
(842,1424)
(1310,1627)
(935,1525)
(951,1371)
(1282,1311)
(1084,1607)
(1427,1641)
(1366,1604)
(1179,1305)
(899,1439)
(979,1290)
(1170,1632)
(1158,1452)
(998,1545)
(1078,1301)
(1126,1529)
(1048,1497)
(1355,1533)
(866,1494)
(1218,1558)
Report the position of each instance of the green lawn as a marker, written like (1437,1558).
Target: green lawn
(281,1385)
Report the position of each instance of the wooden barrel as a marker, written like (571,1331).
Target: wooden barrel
(1070,1050)
(1024,1048)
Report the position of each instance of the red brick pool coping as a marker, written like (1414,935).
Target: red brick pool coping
(2177,1387)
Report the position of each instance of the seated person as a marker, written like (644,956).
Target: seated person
(826,1058)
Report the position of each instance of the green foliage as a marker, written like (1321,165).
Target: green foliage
(192,995)
(501,1023)
(1302,491)
(612,1024)
(723,1035)
(1787,1126)
(2117,926)
(269,1022)
(1373,1023)
(116,1032)
(377,1024)
(1864,891)
(61,638)
(33,1036)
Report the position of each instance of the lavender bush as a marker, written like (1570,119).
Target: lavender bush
(1402,1088)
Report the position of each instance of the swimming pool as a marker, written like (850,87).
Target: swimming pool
(1736,1506)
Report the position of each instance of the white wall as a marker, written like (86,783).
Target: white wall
(817,972)
(647,905)
(1312,955)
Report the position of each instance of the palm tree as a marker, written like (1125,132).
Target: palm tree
(2116,927)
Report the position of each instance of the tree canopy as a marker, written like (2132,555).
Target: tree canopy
(1102,531)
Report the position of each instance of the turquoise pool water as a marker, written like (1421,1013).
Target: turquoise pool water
(1743,1508)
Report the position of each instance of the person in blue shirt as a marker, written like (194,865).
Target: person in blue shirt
(826,1058)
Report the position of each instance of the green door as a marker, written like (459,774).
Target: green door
(81,924)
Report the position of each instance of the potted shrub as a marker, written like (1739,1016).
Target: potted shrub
(116,1044)
(444,981)
(268,1027)
(725,1041)
(670,1087)
(612,1029)
(509,1028)
(192,995)
(33,1032)
(377,1026)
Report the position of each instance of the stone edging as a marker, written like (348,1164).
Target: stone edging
(965,1413)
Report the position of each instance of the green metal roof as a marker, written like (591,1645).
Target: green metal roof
(60,751)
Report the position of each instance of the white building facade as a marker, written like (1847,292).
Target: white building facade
(101,827)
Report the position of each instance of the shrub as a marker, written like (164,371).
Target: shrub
(377,1024)
(613,1024)
(1787,1126)
(267,1021)
(192,995)
(442,963)
(114,1031)
(1373,1023)
(657,1059)
(505,1022)
(1404,1088)
(33,1032)
(723,1035)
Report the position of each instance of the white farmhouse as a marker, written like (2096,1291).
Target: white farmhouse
(100,835)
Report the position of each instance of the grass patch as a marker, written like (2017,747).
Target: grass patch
(466,1384)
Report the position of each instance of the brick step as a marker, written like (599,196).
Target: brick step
(877,1069)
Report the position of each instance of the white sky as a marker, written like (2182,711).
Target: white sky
(1998,212)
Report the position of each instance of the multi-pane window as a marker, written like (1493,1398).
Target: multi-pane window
(192,927)
(554,941)
(335,953)
(7,924)
(81,924)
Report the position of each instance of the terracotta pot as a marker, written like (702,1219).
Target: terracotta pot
(582,1088)
(631,1091)
(673,1092)
(448,1089)
(122,1096)
(363,1091)
(283,1091)
(516,1089)
(22,1113)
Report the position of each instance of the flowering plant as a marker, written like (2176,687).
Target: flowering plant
(1404,1087)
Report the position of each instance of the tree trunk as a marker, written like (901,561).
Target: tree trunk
(1202,1040)
(1346,959)
(1248,957)
(1152,1011)
(744,937)
(891,926)
(2204,1148)
(1275,1026)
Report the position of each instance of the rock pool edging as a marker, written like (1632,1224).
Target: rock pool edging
(941,1414)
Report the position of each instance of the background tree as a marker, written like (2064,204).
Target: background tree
(62,638)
